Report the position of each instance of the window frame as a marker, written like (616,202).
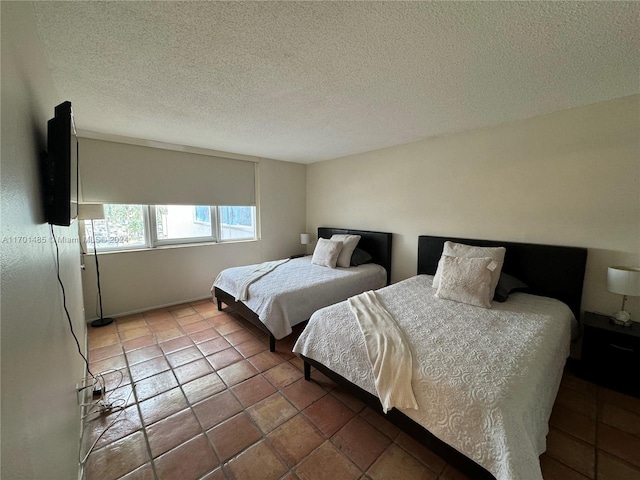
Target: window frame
(150,231)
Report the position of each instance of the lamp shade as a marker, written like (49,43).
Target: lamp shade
(624,280)
(90,211)
(305,238)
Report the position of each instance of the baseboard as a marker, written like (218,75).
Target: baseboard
(152,307)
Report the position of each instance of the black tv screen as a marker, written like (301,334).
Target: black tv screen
(61,182)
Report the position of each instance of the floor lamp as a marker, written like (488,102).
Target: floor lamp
(95,211)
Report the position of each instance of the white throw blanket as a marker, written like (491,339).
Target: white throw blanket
(387,350)
(260,271)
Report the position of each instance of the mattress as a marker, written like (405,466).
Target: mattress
(485,379)
(294,290)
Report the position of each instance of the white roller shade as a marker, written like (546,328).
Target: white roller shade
(113,172)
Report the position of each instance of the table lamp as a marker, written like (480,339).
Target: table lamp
(626,282)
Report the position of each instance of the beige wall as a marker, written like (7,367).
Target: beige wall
(140,280)
(40,362)
(568,178)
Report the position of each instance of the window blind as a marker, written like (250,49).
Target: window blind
(112,172)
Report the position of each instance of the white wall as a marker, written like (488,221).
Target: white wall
(40,362)
(139,280)
(568,178)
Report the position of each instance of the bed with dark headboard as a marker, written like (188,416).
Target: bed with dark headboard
(550,271)
(376,244)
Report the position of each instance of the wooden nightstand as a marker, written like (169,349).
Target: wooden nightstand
(611,354)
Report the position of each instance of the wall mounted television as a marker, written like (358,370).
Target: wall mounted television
(61,169)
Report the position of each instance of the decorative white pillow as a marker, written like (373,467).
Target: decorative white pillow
(466,280)
(453,249)
(326,253)
(349,244)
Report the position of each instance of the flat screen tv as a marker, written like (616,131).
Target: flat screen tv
(61,177)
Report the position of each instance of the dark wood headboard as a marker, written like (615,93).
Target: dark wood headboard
(548,270)
(377,244)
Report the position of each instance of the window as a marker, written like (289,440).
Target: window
(136,226)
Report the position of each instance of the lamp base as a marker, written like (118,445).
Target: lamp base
(621,318)
(102,322)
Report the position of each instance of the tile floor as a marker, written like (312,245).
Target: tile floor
(211,402)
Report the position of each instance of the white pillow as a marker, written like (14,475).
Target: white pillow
(453,249)
(326,253)
(466,280)
(349,244)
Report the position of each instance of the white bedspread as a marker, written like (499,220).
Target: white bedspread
(485,379)
(289,294)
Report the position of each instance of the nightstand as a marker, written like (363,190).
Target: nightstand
(611,354)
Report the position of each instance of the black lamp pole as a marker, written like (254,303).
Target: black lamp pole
(101,322)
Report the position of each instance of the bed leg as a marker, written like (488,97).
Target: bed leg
(272,343)
(219,304)
(307,371)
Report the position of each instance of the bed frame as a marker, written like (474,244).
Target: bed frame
(552,271)
(377,244)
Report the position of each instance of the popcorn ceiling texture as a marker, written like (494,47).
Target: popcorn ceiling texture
(310,81)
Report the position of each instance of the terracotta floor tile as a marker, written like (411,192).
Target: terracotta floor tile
(573,423)
(570,380)
(612,468)
(161,325)
(349,400)
(193,370)
(619,443)
(155,384)
(622,419)
(204,335)
(205,306)
(251,347)
(176,344)
(452,473)
(329,414)
(618,399)
(271,412)
(156,312)
(302,393)
(118,458)
(143,354)
(213,346)
(189,320)
(260,462)
(229,327)
(186,355)
(395,463)
(282,375)
(114,380)
(265,360)
(161,406)
(127,421)
(239,336)
(217,474)
(577,401)
(111,363)
(380,422)
(236,373)
(322,380)
(224,358)
(98,354)
(203,387)
(148,368)
(422,453)
(168,334)
(216,409)
(104,340)
(327,463)
(552,469)
(157,317)
(572,452)
(253,390)
(97,332)
(189,461)
(295,439)
(140,342)
(172,431)
(220,319)
(135,333)
(196,326)
(130,322)
(234,435)
(361,442)
(182,311)
(144,472)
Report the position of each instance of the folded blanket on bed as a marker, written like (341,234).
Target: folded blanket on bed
(387,350)
(258,272)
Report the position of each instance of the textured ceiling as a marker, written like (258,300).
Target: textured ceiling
(309,81)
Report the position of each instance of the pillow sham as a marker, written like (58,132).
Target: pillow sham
(349,243)
(507,284)
(326,253)
(466,280)
(360,257)
(454,249)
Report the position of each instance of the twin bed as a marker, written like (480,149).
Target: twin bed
(484,379)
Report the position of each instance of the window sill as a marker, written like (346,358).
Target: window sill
(168,247)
